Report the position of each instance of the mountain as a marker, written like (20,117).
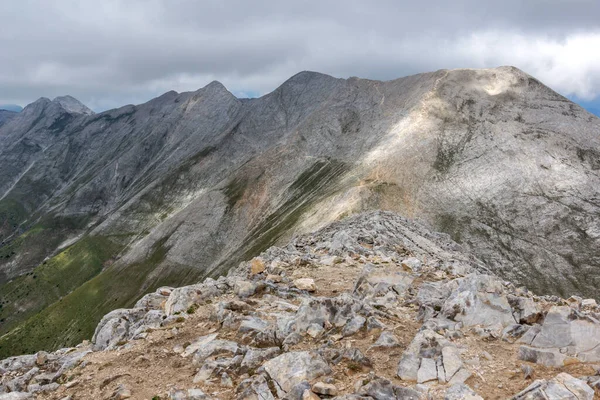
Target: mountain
(5,116)
(11,107)
(371,307)
(96,210)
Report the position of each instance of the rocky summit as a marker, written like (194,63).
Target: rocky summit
(98,209)
(371,307)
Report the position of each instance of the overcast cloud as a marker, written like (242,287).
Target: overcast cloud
(109,53)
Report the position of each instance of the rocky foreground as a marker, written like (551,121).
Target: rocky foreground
(372,307)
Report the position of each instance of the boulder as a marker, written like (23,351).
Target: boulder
(562,387)
(479,300)
(114,327)
(16,396)
(460,391)
(254,388)
(291,368)
(254,358)
(383,389)
(386,339)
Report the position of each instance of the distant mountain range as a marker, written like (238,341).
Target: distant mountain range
(99,209)
(11,107)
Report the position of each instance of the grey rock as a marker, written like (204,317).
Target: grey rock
(412,263)
(244,288)
(383,389)
(514,332)
(19,383)
(354,325)
(114,327)
(253,325)
(254,388)
(427,370)
(315,330)
(563,328)
(291,368)
(528,371)
(16,396)
(408,367)
(452,361)
(563,386)
(151,301)
(547,357)
(479,300)
(326,389)
(460,391)
(254,358)
(386,339)
(37,388)
(209,345)
(374,323)
(189,394)
(460,377)
(297,391)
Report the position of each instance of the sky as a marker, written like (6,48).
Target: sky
(110,53)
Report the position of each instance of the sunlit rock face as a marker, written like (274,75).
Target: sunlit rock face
(187,185)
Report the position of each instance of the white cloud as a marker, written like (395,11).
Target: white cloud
(113,52)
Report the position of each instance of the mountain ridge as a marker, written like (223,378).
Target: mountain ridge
(188,185)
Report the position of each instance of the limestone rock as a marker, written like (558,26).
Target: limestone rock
(460,391)
(327,389)
(386,339)
(427,371)
(562,387)
(452,361)
(16,396)
(292,368)
(307,284)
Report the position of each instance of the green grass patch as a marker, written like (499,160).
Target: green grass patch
(74,317)
(312,185)
(53,279)
(12,213)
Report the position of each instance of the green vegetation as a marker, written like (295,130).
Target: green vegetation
(40,240)
(315,183)
(192,309)
(234,191)
(12,213)
(74,317)
(53,279)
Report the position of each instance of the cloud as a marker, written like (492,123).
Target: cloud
(111,53)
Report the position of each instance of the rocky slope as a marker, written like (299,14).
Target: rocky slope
(372,307)
(96,210)
(6,115)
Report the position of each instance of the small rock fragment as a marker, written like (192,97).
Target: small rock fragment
(122,392)
(527,371)
(327,389)
(257,265)
(307,284)
(308,395)
(386,339)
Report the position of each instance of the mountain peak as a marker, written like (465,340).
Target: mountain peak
(307,76)
(72,105)
(215,87)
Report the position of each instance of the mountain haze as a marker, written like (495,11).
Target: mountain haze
(98,209)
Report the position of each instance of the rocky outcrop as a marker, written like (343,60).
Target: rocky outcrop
(393,311)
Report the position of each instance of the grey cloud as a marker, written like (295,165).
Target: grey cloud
(111,53)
